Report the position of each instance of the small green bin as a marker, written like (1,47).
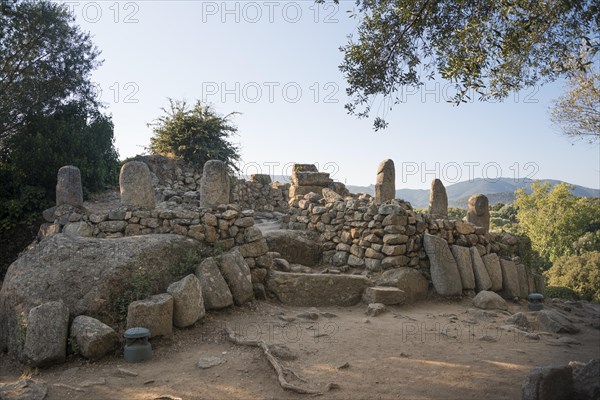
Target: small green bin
(137,347)
(535,301)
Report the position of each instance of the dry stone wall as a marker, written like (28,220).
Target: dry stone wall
(260,194)
(176,182)
(226,226)
(359,235)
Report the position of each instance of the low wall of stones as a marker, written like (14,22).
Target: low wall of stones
(226,226)
(177,182)
(358,233)
(260,194)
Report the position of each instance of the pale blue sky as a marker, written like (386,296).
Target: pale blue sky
(253,57)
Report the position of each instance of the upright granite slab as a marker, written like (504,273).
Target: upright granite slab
(492,265)
(465,266)
(510,279)
(482,278)
(444,271)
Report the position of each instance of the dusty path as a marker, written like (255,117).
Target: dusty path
(431,350)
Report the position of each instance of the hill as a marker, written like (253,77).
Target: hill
(500,190)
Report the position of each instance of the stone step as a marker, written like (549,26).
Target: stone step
(384,295)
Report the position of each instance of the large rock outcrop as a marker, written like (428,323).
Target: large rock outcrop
(88,275)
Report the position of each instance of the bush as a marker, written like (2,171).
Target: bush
(560,292)
(196,134)
(579,273)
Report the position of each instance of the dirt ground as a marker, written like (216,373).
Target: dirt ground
(432,350)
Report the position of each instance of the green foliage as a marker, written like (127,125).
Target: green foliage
(560,292)
(195,134)
(45,62)
(554,219)
(503,218)
(579,273)
(577,113)
(73,135)
(457,213)
(490,48)
(48,114)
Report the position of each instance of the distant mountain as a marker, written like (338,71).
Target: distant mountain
(500,190)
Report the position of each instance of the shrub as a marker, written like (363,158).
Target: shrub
(560,292)
(579,273)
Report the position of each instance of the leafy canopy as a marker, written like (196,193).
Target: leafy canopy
(196,134)
(45,62)
(577,113)
(72,135)
(580,273)
(554,219)
(488,47)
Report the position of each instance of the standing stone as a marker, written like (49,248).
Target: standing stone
(68,186)
(523,281)
(46,335)
(438,200)
(237,275)
(214,185)
(478,211)
(510,279)
(93,338)
(482,278)
(154,313)
(462,256)
(135,182)
(444,271)
(492,265)
(188,304)
(215,292)
(385,186)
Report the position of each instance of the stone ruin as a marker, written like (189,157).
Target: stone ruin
(135,184)
(478,211)
(349,238)
(385,185)
(438,200)
(68,187)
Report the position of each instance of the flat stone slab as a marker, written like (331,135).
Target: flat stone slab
(314,290)
(384,295)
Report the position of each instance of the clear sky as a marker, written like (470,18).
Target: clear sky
(277,64)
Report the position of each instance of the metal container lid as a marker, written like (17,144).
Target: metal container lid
(137,333)
(535,296)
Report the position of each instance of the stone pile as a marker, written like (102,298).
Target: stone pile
(358,234)
(178,183)
(217,283)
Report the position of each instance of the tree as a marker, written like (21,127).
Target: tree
(72,135)
(194,134)
(577,113)
(554,219)
(579,273)
(45,62)
(486,47)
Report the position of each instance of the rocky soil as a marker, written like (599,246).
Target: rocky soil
(438,349)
